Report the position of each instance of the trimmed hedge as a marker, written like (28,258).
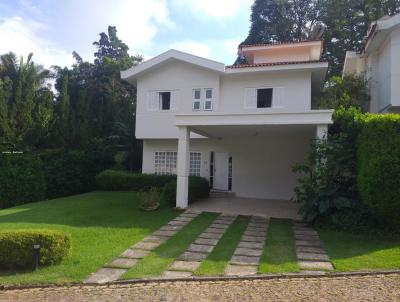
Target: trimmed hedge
(198,188)
(112,180)
(378,174)
(21,179)
(16,247)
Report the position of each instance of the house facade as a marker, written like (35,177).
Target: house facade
(242,127)
(379,63)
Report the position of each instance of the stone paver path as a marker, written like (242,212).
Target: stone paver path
(247,255)
(199,250)
(309,248)
(119,266)
(374,288)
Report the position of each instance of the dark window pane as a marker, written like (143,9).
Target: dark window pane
(264,98)
(197,94)
(209,94)
(165,100)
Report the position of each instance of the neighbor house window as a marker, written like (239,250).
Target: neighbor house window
(165,100)
(264,98)
(196,99)
(208,99)
(165,162)
(195,163)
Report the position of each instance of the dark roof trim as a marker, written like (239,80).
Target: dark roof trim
(274,64)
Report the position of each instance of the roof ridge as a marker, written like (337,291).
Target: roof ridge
(279,43)
(274,63)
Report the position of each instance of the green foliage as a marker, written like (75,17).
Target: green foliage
(150,201)
(16,247)
(198,188)
(349,91)
(379,166)
(346,23)
(112,180)
(22,179)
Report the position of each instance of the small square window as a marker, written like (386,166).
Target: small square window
(208,93)
(197,94)
(165,100)
(196,105)
(208,105)
(264,98)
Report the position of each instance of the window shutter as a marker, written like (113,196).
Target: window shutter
(153,103)
(250,98)
(277,97)
(174,99)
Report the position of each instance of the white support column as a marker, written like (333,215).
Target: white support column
(183,168)
(322,131)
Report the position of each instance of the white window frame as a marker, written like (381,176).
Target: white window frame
(210,100)
(196,100)
(195,167)
(160,100)
(165,162)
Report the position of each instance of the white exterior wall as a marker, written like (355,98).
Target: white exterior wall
(283,55)
(262,166)
(228,94)
(395,67)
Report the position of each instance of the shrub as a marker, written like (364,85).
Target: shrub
(16,247)
(150,201)
(379,166)
(198,188)
(21,179)
(119,180)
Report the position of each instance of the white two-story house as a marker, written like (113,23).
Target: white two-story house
(242,127)
(379,62)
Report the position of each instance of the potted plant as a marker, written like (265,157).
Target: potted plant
(150,201)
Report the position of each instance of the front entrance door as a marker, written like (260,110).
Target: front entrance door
(221,171)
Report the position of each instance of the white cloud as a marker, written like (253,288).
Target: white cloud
(192,47)
(24,37)
(215,8)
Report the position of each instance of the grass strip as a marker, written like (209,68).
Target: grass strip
(363,251)
(279,252)
(159,259)
(219,258)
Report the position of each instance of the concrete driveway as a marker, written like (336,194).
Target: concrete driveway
(249,206)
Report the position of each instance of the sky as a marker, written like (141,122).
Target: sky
(53,29)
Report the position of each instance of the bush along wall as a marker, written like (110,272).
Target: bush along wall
(21,179)
(378,166)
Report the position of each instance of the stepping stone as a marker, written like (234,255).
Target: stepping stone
(176,274)
(185,265)
(243,260)
(315,243)
(148,246)
(251,245)
(200,248)
(184,219)
(255,229)
(177,222)
(306,237)
(253,238)
(247,252)
(136,254)
(104,275)
(310,249)
(157,239)
(215,230)
(219,226)
(210,236)
(309,232)
(206,241)
(312,256)
(222,222)
(320,265)
(192,256)
(240,270)
(164,233)
(122,263)
(255,233)
(170,228)
(257,225)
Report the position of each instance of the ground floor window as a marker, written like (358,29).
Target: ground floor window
(195,163)
(230,174)
(165,162)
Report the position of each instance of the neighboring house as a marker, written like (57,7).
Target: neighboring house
(379,62)
(242,127)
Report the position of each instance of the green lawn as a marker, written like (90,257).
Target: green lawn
(351,252)
(217,261)
(279,253)
(102,225)
(159,259)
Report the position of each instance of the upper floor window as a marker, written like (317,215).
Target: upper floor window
(165,100)
(208,100)
(264,98)
(196,99)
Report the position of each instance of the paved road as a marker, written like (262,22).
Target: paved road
(355,288)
